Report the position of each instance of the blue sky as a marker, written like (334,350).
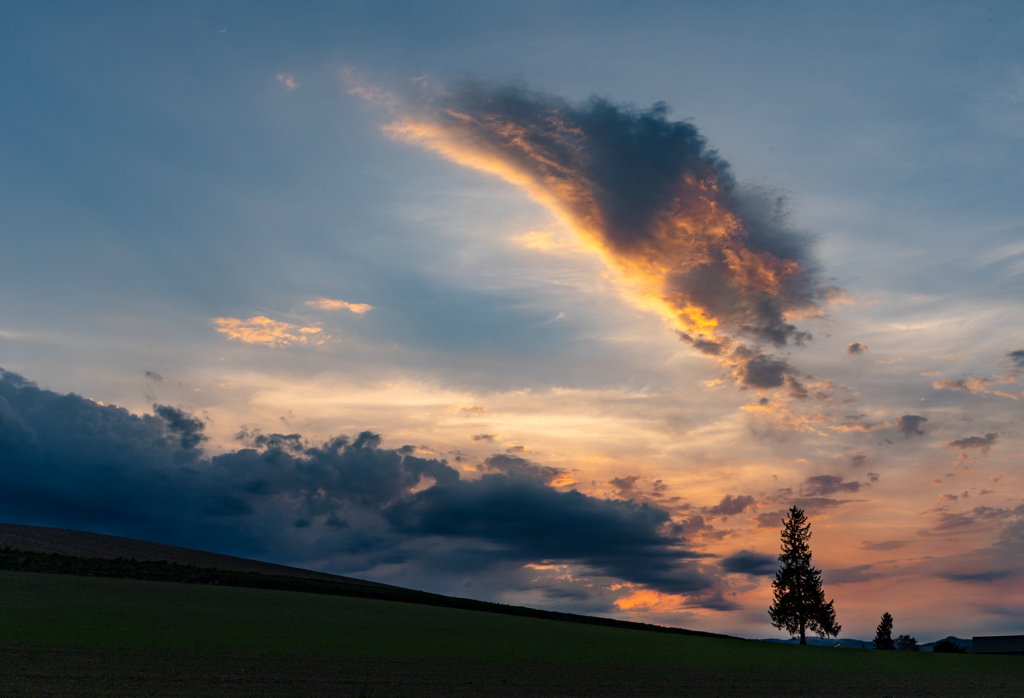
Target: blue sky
(163,168)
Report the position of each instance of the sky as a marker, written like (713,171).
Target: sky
(548,303)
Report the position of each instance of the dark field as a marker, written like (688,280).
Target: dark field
(72,635)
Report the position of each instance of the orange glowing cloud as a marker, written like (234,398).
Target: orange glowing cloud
(263,330)
(332,304)
(647,195)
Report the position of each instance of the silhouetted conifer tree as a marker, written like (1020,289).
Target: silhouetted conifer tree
(883,635)
(799,603)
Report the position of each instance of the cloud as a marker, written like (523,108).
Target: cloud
(154,376)
(463,409)
(719,263)
(485,437)
(821,485)
(984,443)
(288,81)
(910,425)
(850,575)
(70,462)
(771,519)
(763,372)
(730,506)
(263,330)
(331,304)
(749,562)
(948,524)
(978,577)
(187,428)
(856,348)
(883,546)
(971,385)
(626,486)
(1016,357)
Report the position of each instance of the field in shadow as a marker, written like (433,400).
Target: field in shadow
(69,635)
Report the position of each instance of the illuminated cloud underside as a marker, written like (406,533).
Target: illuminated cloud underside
(647,194)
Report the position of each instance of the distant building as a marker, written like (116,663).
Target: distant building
(999,644)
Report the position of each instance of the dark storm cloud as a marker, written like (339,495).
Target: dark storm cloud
(763,372)
(749,562)
(856,348)
(982,443)
(662,205)
(910,425)
(67,461)
(188,429)
(821,485)
(1017,357)
(730,505)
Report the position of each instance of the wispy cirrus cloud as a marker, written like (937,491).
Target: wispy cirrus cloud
(263,330)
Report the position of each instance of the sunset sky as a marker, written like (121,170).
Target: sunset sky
(595,292)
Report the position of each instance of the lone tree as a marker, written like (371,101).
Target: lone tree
(907,643)
(883,635)
(799,602)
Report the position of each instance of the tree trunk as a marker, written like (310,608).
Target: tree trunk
(803,636)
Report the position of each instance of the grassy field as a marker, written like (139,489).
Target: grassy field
(73,635)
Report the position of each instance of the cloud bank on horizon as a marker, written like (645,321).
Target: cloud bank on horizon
(69,461)
(721,265)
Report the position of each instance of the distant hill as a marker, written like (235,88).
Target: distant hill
(64,551)
(966,644)
(828,642)
(63,541)
(867,644)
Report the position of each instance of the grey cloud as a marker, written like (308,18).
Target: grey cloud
(187,428)
(796,388)
(813,505)
(749,562)
(856,348)
(67,461)
(1017,357)
(517,467)
(625,485)
(703,345)
(910,425)
(821,485)
(154,376)
(485,437)
(983,443)
(883,546)
(763,372)
(978,577)
(730,505)
(771,519)
(949,524)
(850,575)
